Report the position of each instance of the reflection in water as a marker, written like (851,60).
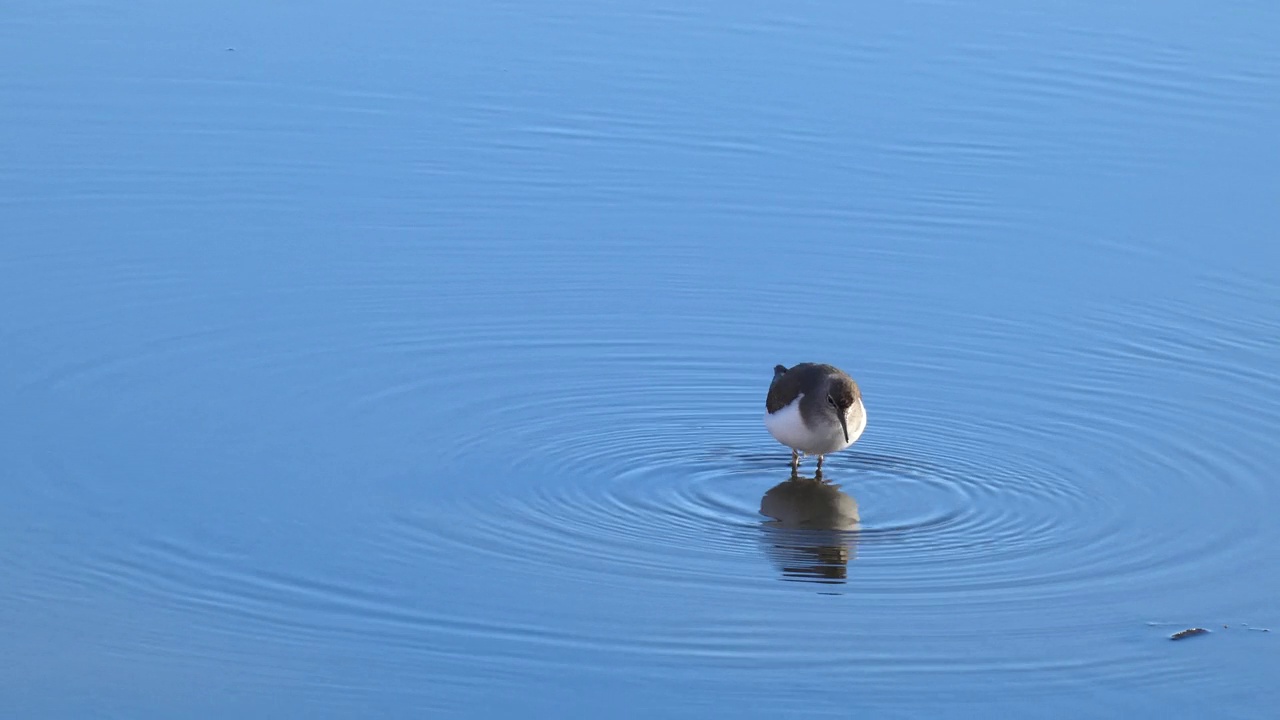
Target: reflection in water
(812,536)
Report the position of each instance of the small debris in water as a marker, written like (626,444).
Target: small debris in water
(1189,632)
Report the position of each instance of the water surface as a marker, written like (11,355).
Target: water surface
(410,360)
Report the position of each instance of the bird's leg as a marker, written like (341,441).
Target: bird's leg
(795,463)
(819,473)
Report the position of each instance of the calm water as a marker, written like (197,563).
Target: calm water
(409,360)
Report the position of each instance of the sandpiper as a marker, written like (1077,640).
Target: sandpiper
(814,409)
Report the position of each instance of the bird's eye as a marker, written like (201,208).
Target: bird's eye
(831,400)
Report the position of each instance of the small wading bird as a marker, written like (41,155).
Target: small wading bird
(814,409)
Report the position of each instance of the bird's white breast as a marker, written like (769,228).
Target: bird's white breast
(788,427)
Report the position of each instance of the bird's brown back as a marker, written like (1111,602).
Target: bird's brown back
(786,385)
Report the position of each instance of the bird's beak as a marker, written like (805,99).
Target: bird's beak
(844,424)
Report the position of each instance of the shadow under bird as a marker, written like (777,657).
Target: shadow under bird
(814,409)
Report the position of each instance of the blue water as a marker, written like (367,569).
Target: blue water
(409,360)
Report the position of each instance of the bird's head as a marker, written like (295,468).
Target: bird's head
(842,394)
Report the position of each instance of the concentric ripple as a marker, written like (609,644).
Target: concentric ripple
(616,481)
(639,472)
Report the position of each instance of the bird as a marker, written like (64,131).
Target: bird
(814,409)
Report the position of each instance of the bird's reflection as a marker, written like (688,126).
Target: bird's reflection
(813,532)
